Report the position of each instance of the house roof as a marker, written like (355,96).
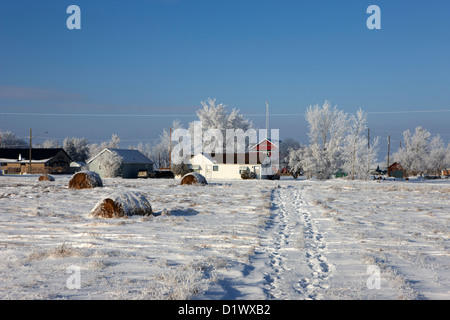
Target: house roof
(396,165)
(235,158)
(127,155)
(37,154)
(264,145)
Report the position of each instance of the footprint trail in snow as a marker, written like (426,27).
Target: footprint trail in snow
(291,261)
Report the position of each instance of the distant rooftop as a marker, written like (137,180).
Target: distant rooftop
(24,153)
(128,156)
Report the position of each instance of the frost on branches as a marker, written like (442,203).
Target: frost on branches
(336,141)
(215,118)
(422,154)
(359,154)
(111,163)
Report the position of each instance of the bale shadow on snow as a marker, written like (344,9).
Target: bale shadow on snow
(178,212)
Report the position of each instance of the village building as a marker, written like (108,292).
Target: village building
(268,152)
(261,160)
(43,161)
(396,170)
(219,166)
(132,162)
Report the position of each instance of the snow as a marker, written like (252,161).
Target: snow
(130,202)
(245,239)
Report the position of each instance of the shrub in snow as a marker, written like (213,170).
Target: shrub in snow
(111,162)
(247,174)
(193,178)
(46,177)
(85,180)
(121,205)
(180,169)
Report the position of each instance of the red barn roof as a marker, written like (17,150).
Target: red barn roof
(265,145)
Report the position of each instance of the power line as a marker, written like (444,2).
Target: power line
(92,114)
(194,115)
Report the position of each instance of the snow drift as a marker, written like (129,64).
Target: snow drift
(121,205)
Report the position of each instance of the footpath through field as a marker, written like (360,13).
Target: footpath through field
(290,262)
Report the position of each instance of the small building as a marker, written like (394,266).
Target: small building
(223,166)
(396,170)
(43,160)
(132,162)
(268,152)
(76,166)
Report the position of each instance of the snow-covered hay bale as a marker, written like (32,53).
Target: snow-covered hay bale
(85,180)
(193,178)
(121,205)
(46,177)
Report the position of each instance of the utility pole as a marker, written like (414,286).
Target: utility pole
(267,120)
(389,147)
(368,152)
(29,169)
(170,149)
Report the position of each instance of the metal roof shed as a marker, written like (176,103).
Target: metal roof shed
(133,161)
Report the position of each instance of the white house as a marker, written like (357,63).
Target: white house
(217,166)
(261,159)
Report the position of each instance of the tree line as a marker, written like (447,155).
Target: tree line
(336,141)
(339,141)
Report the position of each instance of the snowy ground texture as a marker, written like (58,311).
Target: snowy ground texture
(287,239)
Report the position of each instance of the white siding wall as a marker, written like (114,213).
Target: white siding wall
(211,170)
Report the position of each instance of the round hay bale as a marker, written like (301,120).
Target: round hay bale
(46,177)
(193,178)
(85,180)
(122,205)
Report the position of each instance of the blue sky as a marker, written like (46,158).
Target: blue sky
(160,58)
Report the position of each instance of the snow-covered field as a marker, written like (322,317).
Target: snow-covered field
(287,239)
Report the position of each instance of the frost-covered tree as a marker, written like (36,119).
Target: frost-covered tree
(447,158)
(358,156)
(294,159)
(286,145)
(110,163)
(48,144)
(215,116)
(414,155)
(77,148)
(95,148)
(9,140)
(327,131)
(160,153)
(437,156)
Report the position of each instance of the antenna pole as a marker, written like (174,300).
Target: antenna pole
(267,119)
(170,149)
(30,152)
